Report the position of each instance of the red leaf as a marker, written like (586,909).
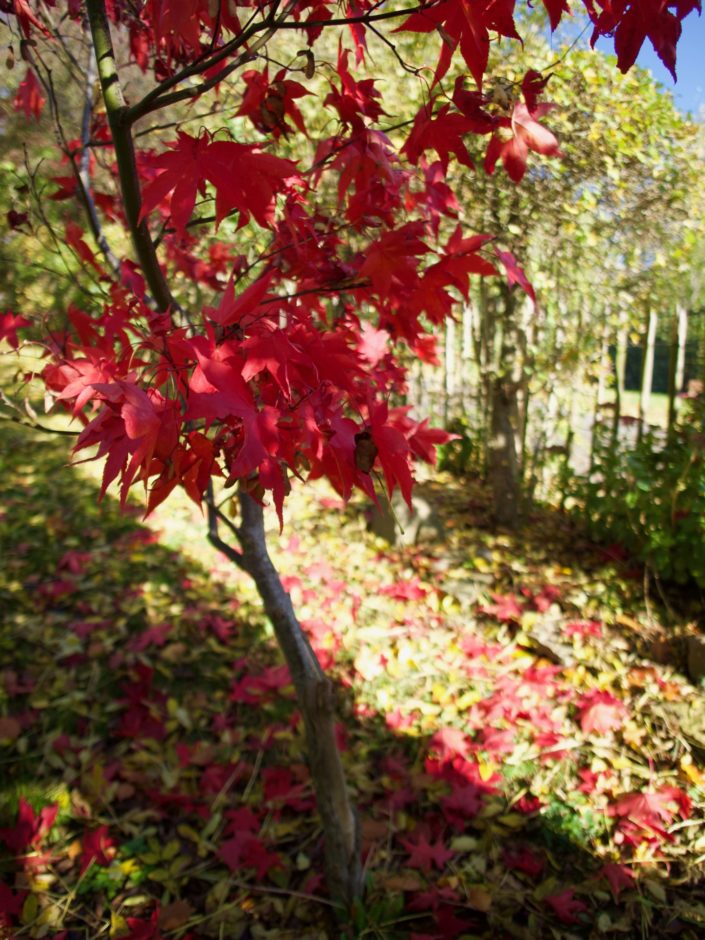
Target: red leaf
(95,845)
(374,344)
(10,323)
(652,810)
(601,712)
(566,906)
(515,273)
(29,97)
(245,178)
(246,850)
(29,828)
(424,854)
(618,876)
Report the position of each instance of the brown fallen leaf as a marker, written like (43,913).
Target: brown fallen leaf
(479,899)
(403,882)
(175,915)
(10,728)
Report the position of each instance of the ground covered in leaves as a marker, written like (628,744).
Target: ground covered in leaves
(523,765)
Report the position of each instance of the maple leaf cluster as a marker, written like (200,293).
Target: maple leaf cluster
(291,370)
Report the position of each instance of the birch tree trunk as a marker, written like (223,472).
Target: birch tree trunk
(647,368)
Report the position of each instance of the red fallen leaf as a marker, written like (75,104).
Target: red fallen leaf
(433,899)
(152,636)
(583,628)
(246,850)
(525,860)
(448,742)
(411,590)
(505,608)
(424,853)
(241,820)
(464,803)
(601,712)
(10,903)
(528,804)
(566,906)
(592,781)
(29,827)
(652,810)
(282,789)
(618,876)
(96,845)
(145,929)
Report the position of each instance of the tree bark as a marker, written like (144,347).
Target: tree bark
(502,455)
(315,697)
(647,368)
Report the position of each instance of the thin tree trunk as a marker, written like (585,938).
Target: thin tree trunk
(502,455)
(672,369)
(315,697)
(682,314)
(449,370)
(676,364)
(647,368)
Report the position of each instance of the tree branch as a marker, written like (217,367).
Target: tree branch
(125,154)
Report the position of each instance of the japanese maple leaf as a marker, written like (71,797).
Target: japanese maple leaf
(566,906)
(268,103)
(442,132)
(11,903)
(29,97)
(634,23)
(145,929)
(555,10)
(526,135)
(374,344)
(505,608)
(583,629)
(423,854)
(243,308)
(652,810)
(75,239)
(392,258)
(601,712)
(244,177)
(515,273)
(392,450)
(95,845)
(246,850)
(10,323)
(464,803)
(29,827)
(524,859)
(464,23)
(273,351)
(618,876)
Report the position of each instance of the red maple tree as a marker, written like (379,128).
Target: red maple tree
(331,267)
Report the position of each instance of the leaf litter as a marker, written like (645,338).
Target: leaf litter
(521,766)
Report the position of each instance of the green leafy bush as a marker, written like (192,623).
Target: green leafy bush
(463,454)
(650,498)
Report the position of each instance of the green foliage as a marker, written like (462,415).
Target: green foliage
(463,454)
(651,499)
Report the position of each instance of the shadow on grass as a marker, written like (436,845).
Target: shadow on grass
(136,701)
